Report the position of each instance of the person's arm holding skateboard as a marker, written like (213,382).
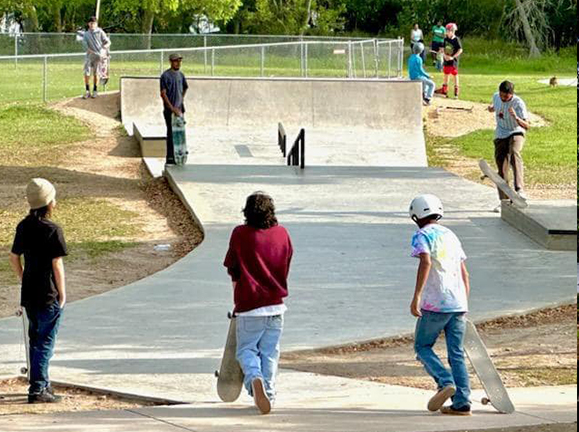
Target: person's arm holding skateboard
(421,277)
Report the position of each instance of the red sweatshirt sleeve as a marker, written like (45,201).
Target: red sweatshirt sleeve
(231,259)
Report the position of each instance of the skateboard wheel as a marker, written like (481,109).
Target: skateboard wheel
(23,370)
(485,401)
(18,313)
(216,374)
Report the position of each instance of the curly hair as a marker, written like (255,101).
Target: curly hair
(259,211)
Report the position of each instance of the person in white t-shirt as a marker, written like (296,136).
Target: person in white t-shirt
(440,303)
(416,36)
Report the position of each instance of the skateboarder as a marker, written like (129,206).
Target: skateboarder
(417,72)
(452,50)
(258,261)
(440,303)
(96,44)
(43,295)
(173,89)
(512,124)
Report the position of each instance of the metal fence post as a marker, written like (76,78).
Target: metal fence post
(212,61)
(376,68)
(306,60)
(205,55)
(161,58)
(363,58)
(301,58)
(16,49)
(389,59)
(262,68)
(400,55)
(349,59)
(44,79)
(354,71)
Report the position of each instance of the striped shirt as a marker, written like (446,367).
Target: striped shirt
(506,123)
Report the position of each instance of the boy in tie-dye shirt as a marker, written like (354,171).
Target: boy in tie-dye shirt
(440,303)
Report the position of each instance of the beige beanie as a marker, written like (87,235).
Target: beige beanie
(39,193)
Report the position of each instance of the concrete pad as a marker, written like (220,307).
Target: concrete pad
(551,223)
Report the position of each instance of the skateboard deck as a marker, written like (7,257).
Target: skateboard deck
(25,370)
(179,139)
(229,376)
(103,69)
(502,184)
(485,370)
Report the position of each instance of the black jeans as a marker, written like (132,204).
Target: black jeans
(170,158)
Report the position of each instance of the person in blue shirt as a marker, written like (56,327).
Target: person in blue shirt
(417,72)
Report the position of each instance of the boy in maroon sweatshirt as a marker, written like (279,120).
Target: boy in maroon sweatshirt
(258,261)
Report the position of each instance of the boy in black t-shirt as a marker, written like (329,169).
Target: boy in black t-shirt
(42,243)
(451,50)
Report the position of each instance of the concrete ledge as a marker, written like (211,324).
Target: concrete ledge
(551,223)
(151,141)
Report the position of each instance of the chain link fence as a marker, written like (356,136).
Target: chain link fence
(64,43)
(53,76)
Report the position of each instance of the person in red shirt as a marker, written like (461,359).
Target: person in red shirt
(258,261)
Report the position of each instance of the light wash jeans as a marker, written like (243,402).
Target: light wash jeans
(258,350)
(428,329)
(428,87)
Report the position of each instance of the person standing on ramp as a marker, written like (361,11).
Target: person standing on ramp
(173,89)
(440,303)
(258,261)
(96,44)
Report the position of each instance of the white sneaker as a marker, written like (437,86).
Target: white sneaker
(260,396)
(86,95)
(522,194)
(95,94)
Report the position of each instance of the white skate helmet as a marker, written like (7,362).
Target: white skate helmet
(425,205)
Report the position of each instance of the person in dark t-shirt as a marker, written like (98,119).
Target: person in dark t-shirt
(43,293)
(452,49)
(258,261)
(173,89)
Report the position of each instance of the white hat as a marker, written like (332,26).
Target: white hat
(40,193)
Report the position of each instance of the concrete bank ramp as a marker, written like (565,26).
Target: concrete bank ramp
(379,116)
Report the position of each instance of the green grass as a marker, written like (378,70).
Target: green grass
(41,134)
(549,153)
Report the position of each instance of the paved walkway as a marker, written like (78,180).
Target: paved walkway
(163,336)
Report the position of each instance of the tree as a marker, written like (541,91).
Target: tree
(529,17)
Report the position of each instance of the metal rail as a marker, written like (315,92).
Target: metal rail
(297,154)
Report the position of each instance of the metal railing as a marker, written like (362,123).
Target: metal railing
(297,154)
(52,76)
(281,139)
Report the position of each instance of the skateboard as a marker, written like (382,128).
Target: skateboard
(103,69)
(25,370)
(229,376)
(179,139)
(496,393)
(502,184)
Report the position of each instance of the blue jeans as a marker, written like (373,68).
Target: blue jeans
(428,87)
(42,330)
(258,350)
(428,329)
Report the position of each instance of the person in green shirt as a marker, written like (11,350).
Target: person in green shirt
(438,34)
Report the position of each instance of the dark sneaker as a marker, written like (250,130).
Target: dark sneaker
(438,400)
(260,397)
(43,397)
(464,411)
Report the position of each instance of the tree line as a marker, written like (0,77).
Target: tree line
(540,24)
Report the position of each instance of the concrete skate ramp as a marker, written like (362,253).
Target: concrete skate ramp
(257,102)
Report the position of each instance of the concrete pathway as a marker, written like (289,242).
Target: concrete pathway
(351,279)
(329,406)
